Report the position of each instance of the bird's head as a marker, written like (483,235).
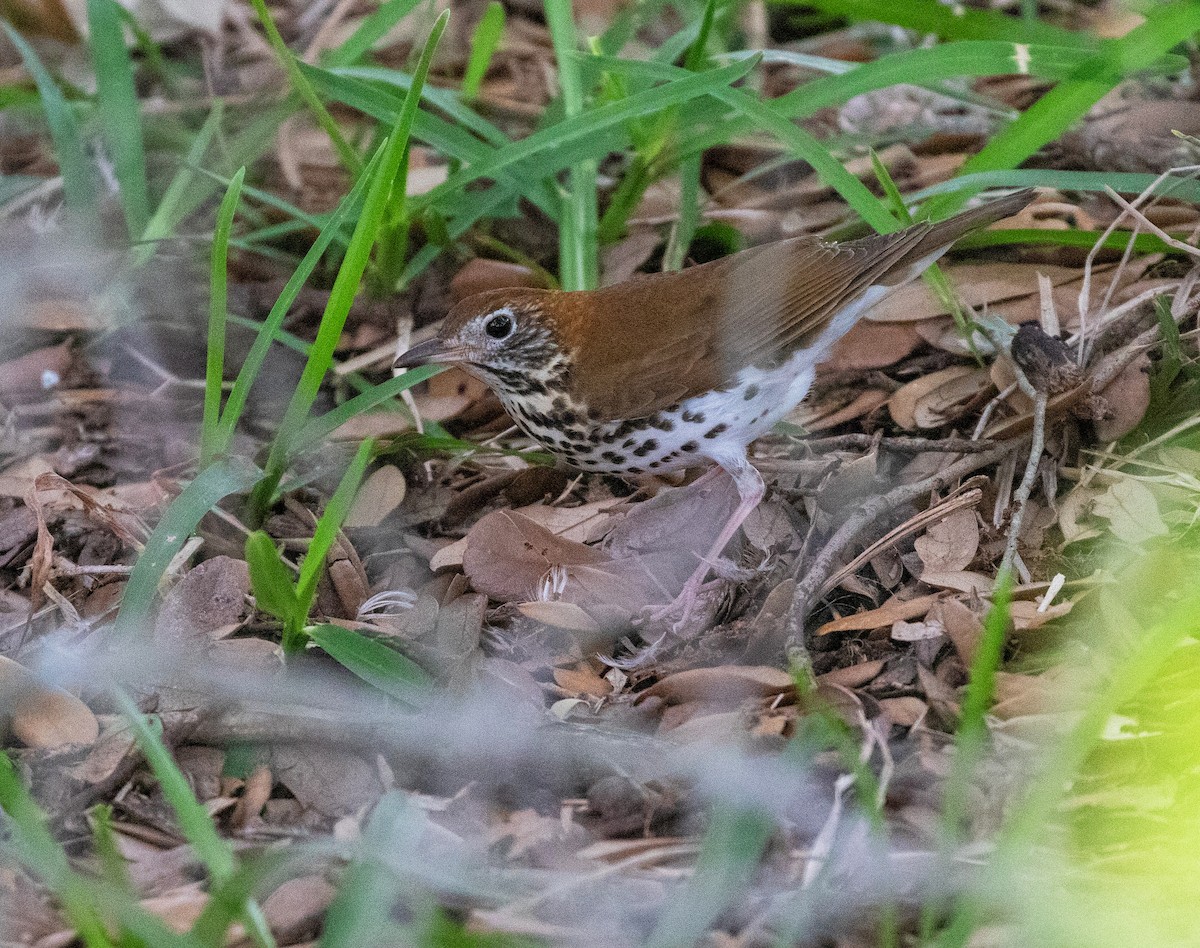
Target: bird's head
(501,336)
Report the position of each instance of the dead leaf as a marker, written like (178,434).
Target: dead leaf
(41,716)
(904,711)
(508,555)
(1127,398)
(962,626)
(331,781)
(934,399)
(894,610)
(480,275)
(582,680)
(959,580)
(561,615)
(951,543)
(916,631)
(723,684)
(297,905)
(208,603)
(872,345)
(853,676)
(380,494)
(1131,511)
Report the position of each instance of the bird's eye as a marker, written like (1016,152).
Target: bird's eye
(499,326)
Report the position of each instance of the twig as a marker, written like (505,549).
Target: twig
(1021,498)
(871,510)
(901,445)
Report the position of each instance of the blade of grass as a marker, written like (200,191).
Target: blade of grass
(1066,103)
(222,478)
(578,263)
(345,286)
(348,157)
(1125,182)
(484,44)
(379,665)
(31,841)
(972,725)
(372,29)
(949,23)
(166,216)
(252,364)
(542,153)
(318,429)
(218,312)
(117,109)
(73,163)
(328,525)
(194,822)
(730,853)
(827,168)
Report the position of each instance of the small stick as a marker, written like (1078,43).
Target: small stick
(871,510)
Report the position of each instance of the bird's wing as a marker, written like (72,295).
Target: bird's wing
(673,336)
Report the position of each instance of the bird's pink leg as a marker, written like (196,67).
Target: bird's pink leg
(750,488)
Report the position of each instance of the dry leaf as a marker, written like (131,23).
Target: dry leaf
(380,494)
(916,631)
(976,284)
(962,626)
(726,684)
(1127,398)
(1131,511)
(951,543)
(931,400)
(561,615)
(853,676)
(208,603)
(872,345)
(893,610)
(904,711)
(582,680)
(41,716)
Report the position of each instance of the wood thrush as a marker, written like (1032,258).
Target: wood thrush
(671,370)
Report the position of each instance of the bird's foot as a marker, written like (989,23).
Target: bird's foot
(680,609)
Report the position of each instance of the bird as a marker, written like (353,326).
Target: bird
(680,369)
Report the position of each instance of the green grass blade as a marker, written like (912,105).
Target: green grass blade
(972,726)
(31,841)
(235,404)
(1125,182)
(730,854)
(194,822)
(949,22)
(318,429)
(372,29)
(167,215)
(347,155)
(377,664)
(78,183)
(328,525)
(270,580)
(1066,103)
(224,477)
(484,44)
(118,111)
(578,263)
(542,153)
(218,313)
(828,168)
(346,284)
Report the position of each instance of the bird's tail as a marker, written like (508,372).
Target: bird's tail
(939,237)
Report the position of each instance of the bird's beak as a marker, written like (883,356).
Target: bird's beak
(431,350)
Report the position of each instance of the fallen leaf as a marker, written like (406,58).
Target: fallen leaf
(208,603)
(40,716)
(1127,399)
(297,905)
(916,631)
(724,684)
(872,345)
(904,711)
(962,626)
(582,680)
(380,494)
(959,580)
(894,610)
(561,615)
(951,543)
(923,401)
(976,284)
(853,676)
(1131,511)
